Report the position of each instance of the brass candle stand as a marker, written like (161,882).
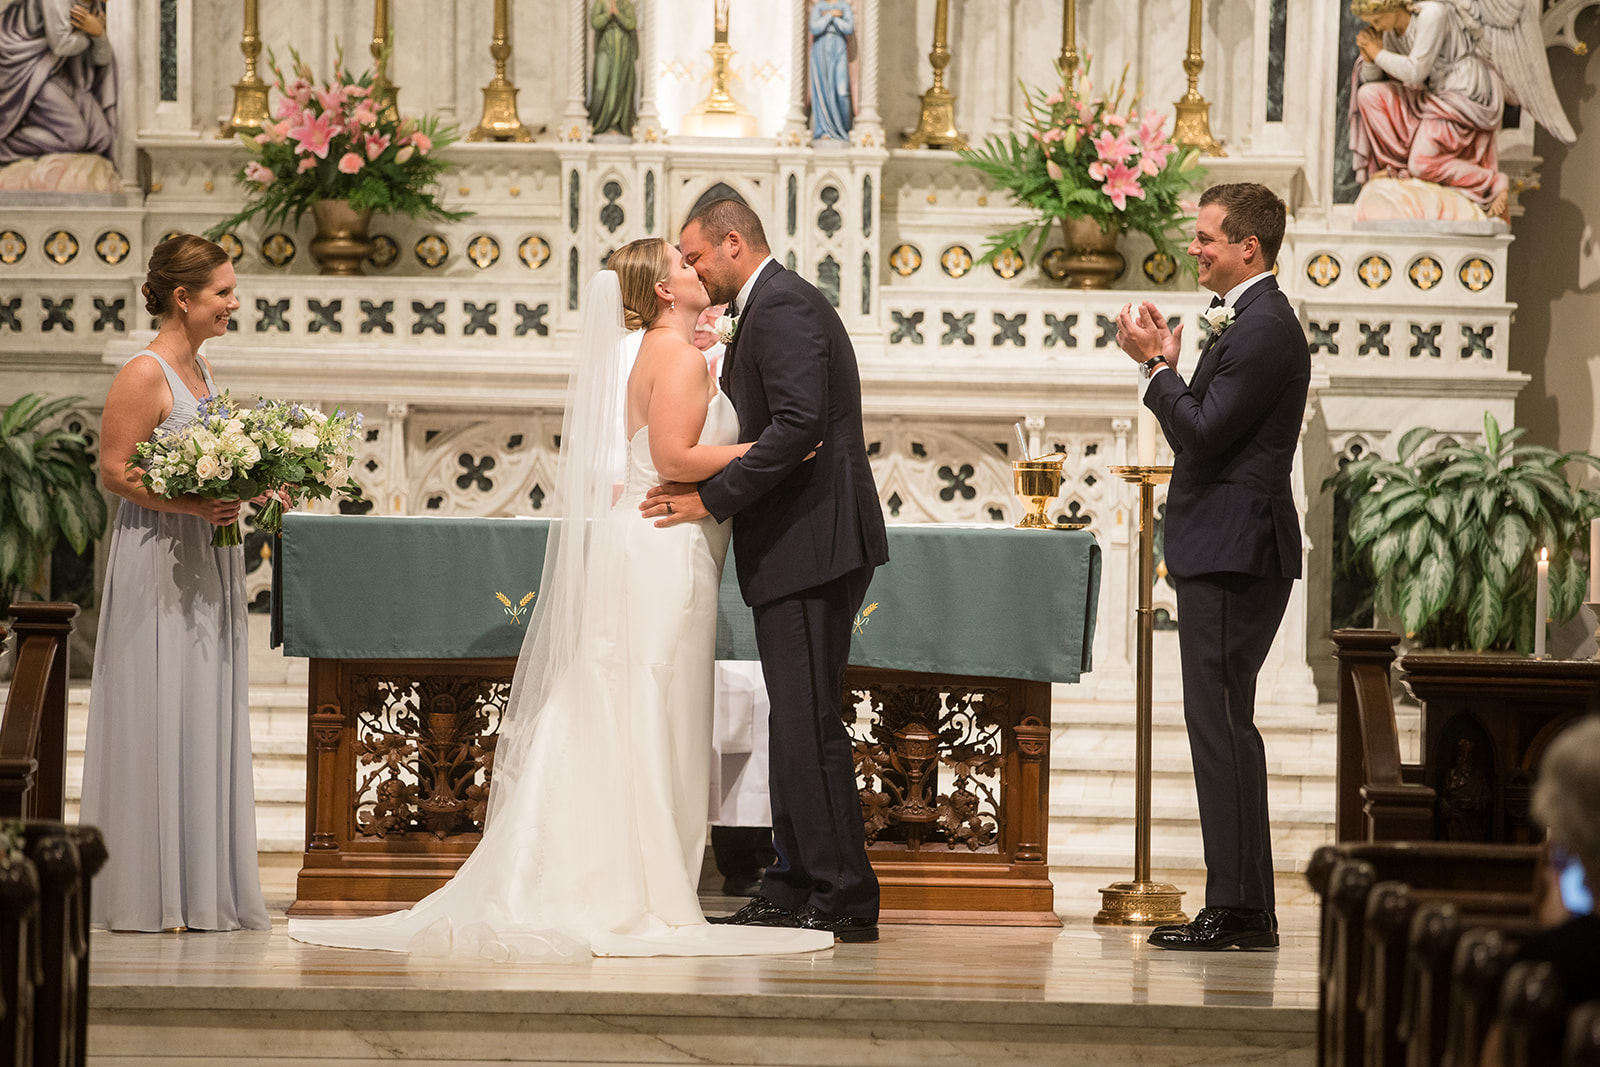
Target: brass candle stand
(500,121)
(1192,129)
(1068,61)
(1142,902)
(250,111)
(719,114)
(384,92)
(936,127)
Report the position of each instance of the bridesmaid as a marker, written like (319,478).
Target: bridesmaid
(166,771)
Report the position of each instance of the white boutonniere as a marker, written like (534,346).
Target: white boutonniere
(1218,318)
(725,327)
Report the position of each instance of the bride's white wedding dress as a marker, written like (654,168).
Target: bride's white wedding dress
(597,845)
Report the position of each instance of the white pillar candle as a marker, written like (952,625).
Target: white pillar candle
(1147,435)
(1541,601)
(1594,559)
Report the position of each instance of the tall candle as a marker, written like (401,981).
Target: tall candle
(1147,435)
(1594,561)
(1541,601)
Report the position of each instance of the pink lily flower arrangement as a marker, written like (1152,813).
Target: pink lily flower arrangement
(1083,155)
(334,141)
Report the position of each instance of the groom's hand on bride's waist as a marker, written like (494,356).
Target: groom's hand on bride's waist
(673,502)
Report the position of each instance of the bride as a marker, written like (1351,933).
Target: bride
(597,812)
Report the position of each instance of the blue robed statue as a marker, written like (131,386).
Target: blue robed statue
(833,26)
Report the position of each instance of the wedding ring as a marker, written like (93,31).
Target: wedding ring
(669,507)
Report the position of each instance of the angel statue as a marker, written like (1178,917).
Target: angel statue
(1429,95)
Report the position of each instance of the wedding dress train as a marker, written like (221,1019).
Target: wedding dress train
(596,846)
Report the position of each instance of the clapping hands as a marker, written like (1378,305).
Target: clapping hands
(1144,335)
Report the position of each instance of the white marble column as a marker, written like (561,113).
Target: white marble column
(647,129)
(175,117)
(446,103)
(868,130)
(1004,77)
(575,120)
(796,128)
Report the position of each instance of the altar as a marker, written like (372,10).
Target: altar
(413,625)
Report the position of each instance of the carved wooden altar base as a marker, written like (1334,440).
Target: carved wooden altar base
(953,775)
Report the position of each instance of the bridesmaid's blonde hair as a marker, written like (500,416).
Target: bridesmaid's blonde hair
(639,266)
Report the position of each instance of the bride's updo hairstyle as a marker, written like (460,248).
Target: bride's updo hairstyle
(181,262)
(640,265)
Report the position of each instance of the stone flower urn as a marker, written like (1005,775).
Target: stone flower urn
(341,244)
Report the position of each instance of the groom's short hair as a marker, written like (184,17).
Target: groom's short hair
(1253,210)
(722,217)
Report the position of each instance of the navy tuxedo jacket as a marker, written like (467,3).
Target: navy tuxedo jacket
(791,374)
(1233,429)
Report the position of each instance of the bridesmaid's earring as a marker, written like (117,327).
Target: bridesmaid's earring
(672,306)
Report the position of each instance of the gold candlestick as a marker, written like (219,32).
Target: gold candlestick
(250,93)
(937,125)
(384,92)
(1069,40)
(1142,902)
(500,121)
(1193,126)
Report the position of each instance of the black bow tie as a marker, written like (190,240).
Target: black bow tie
(733,309)
(1217,302)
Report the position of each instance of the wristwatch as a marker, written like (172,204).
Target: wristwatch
(1148,367)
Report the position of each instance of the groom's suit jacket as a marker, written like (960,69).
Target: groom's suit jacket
(1233,429)
(791,374)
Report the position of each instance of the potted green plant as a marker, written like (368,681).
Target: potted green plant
(49,492)
(1449,535)
(1098,169)
(343,154)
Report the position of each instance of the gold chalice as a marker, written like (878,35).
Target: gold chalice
(1038,482)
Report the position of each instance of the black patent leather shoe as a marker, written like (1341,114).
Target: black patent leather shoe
(846,928)
(1216,929)
(759,912)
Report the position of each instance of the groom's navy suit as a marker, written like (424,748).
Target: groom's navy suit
(806,535)
(1233,549)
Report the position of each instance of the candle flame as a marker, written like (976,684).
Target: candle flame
(1544,555)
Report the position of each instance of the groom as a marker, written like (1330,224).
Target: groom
(806,536)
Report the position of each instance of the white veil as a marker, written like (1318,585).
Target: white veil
(588,467)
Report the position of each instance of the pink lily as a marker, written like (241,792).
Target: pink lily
(331,99)
(306,164)
(1153,130)
(1115,120)
(1054,134)
(423,142)
(363,115)
(261,175)
(1158,154)
(314,135)
(1122,182)
(1113,148)
(357,91)
(287,108)
(351,163)
(1053,169)
(376,143)
(1054,98)
(404,155)
(1097,171)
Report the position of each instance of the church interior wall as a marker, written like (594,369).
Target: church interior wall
(1555,267)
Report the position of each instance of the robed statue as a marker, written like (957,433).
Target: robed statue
(616,55)
(833,27)
(58,86)
(1429,96)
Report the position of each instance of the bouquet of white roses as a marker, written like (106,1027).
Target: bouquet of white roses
(305,455)
(231,453)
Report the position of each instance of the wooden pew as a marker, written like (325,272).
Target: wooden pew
(1360,966)
(1377,797)
(33,729)
(1533,1014)
(1582,1047)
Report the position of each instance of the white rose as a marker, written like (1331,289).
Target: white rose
(1218,318)
(233,426)
(206,468)
(303,438)
(725,327)
(250,454)
(225,471)
(158,486)
(204,440)
(315,416)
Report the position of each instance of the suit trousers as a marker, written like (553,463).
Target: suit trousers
(1226,623)
(817,832)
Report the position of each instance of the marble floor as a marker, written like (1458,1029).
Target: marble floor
(921,995)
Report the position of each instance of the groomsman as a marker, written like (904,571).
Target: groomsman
(1232,537)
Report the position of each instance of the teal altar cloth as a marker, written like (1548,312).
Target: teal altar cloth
(982,601)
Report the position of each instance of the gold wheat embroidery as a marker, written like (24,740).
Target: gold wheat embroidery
(862,619)
(519,609)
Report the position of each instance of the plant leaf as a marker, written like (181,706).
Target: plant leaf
(19,410)
(14,555)
(1411,440)
(1436,573)
(1491,435)
(70,519)
(1386,551)
(31,509)
(1485,611)
(1512,541)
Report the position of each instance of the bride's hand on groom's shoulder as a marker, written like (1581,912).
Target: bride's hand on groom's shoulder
(673,502)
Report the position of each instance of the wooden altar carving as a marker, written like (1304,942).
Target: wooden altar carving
(951,774)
